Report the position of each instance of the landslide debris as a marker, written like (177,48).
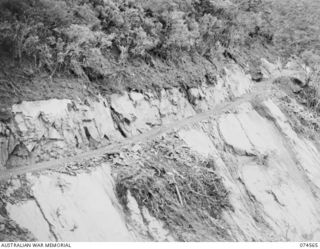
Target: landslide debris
(177,187)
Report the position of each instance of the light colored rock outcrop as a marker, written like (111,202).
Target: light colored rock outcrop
(82,208)
(236,81)
(137,112)
(234,84)
(41,130)
(62,120)
(46,129)
(174,106)
(294,69)
(269,69)
(273,176)
(269,170)
(298,71)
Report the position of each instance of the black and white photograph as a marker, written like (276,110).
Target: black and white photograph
(160,121)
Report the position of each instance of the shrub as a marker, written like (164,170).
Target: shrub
(59,34)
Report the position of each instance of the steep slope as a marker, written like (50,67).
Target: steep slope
(246,172)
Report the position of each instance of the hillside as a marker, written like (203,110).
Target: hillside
(159,120)
(61,46)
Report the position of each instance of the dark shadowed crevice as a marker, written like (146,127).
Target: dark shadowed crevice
(51,227)
(117,120)
(87,133)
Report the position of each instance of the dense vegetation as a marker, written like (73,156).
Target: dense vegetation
(110,41)
(61,33)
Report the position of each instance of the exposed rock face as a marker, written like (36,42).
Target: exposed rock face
(47,129)
(81,207)
(277,175)
(298,71)
(54,128)
(137,112)
(270,172)
(63,120)
(233,76)
(207,97)
(7,144)
(64,214)
(269,69)
(293,70)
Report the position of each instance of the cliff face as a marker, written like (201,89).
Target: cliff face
(247,171)
(42,130)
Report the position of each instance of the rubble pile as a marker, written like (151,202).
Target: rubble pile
(177,186)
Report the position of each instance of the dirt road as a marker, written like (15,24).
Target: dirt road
(259,92)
